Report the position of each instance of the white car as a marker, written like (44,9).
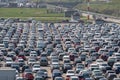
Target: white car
(31,61)
(17,73)
(74,78)
(36,68)
(9,61)
(98,61)
(103,65)
(59,78)
(93,66)
(70,73)
(33,54)
(19,78)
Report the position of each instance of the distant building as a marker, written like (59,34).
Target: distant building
(70,12)
(27,5)
(54,9)
(12,1)
(41,5)
(22,1)
(20,5)
(75,17)
(3,0)
(3,3)
(99,21)
(13,4)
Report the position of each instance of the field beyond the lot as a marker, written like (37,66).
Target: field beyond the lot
(27,12)
(35,13)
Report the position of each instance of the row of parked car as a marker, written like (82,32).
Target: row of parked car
(71,51)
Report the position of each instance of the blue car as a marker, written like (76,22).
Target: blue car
(56,73)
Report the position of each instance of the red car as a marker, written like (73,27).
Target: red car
(22,56)
(28,76)
(72,57)
(104,57)
(67,78)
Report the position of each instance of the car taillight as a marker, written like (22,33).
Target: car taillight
(24,58)
(81,79)
(67,78)
(30,76)
(74,45)
(23,75)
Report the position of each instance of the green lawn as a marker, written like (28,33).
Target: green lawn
(35,13)
(27,12)
(57,0)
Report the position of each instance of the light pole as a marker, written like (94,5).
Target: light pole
(88,8)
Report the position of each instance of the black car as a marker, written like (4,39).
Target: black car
(111,76)
(16,66)
(77,60)
(66,67)
(56,73)
(116,67)
(25,67)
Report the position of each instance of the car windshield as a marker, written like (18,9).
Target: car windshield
(86,75)
(28,70)
(98,74)
(104,64)
(55,65)
(20,79)
(43,70)
(80,67)
(36,66)
(94,66)
(59,78)
(55,60)
(40,73)
(32,60)
(58,74)
(117,65)
(39,79)
(8,60)
(112,59)
(70,71)
(74,79)
(21,61)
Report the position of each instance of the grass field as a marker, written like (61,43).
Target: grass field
(57,0)
(27,12)
(35,13)
(112,8)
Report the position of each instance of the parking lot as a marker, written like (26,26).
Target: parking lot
(61,51)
